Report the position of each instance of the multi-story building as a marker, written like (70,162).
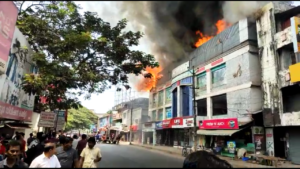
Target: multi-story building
(129,116)
(278,42)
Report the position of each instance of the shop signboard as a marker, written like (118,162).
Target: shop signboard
(231,146)
(61,120)
(158,125)
(177,122)
(166,124)
(229,123)
(258,136)
(188,122)
(47,119)
(168,113)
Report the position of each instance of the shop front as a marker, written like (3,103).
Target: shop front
(136,134)
(188,124)
(226,136)
(148,133)
(178,132)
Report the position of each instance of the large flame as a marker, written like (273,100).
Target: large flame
(146,84)
(221,25)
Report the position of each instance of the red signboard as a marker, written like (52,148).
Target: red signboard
(8,19)
(166,124)
(177,121)
(134,127)
(15,113)
(230,123)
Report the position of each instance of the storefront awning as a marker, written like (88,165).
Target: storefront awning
(18,125)
(218,132)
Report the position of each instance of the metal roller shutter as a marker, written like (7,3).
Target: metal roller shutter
(294,146)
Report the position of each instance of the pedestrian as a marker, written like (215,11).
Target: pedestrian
(20,138)
(90,155)
(15,136)
(36,148)
(30,139)
(13,150)
(47,159)
(81,144)
(204,159)
(75,141)
(2,150)
(67,156)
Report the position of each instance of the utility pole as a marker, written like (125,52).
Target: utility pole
(130,127)
(194,108)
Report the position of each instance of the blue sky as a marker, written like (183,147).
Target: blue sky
(108,11)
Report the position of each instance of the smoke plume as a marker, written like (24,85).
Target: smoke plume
(170,26)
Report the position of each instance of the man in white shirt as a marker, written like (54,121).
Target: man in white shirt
(47,159)
(90,155)
(75,141)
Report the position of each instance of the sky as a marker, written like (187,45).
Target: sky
(108,11)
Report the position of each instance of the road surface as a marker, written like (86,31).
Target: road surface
(127,156)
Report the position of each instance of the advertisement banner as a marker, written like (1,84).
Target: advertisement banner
(47,119)
(166,124)
(12,112)
(158,125)
(270,141)
(231,147)
(188,122)
(8,19)
(60,119)
(168,113)
(134,127)
(295,28)
(177,122)
(230,123)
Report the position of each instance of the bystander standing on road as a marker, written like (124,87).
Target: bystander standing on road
(67,156)
(48,159)
(30,139)
(13,151)
(75,141)
(81,144)
(90,155)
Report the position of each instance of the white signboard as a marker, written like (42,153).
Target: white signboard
(47,119)
(188,122)
(180,69)
(270,141)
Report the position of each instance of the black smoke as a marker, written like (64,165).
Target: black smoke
(184,18)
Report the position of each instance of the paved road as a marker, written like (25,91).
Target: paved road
(126,156)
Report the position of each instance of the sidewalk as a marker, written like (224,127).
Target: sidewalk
(234,163)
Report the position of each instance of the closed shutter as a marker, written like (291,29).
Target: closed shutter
(294,149)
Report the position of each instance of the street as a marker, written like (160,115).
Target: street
(130,156)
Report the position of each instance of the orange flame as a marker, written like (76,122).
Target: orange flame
(146,84)
(221,25)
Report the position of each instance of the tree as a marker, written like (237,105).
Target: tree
(77,51)
(81,118)
(109,112)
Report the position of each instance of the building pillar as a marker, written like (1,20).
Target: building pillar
(143,137)
(209,107)
(179,112)
(154,137)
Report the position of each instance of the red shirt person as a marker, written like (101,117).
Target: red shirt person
(81,144)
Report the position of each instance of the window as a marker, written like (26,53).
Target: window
(160,115)
(168,113)
(161,98)
(201,81)
(168,95)
(154,100)
(202,107)
(154,115)
(219,104)
(218,75)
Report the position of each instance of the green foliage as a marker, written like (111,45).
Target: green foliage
(81,118)
(77,51)
(109,112)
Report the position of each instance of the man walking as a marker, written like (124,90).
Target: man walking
(47,159)
(81,144)
(90,155)
(30,139)
(13,151)
(67,156)
(75,141)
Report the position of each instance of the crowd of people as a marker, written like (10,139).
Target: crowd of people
(49,151)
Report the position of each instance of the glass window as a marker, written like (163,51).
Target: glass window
(160,98)
(218,74)
(168,95)
(168,113)
(154,115)
(201,81)
(154,100)
(160,115)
